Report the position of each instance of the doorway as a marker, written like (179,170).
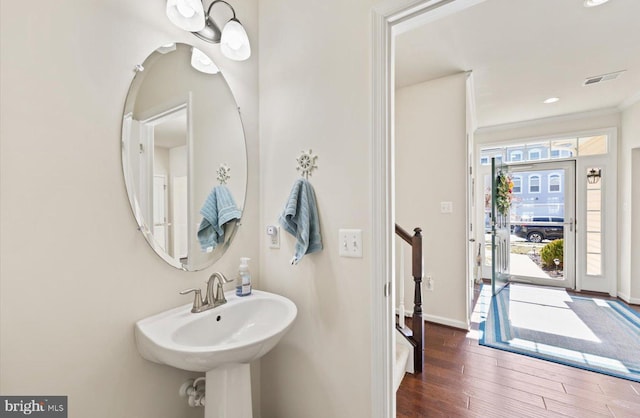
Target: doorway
(389,21)
(542,229)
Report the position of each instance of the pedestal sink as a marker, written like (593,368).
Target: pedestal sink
(220,342)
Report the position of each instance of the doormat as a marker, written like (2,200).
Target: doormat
(550,324)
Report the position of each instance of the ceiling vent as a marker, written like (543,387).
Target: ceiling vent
(601,78)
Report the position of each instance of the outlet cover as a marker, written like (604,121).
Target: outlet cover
(273,236)
(446,207)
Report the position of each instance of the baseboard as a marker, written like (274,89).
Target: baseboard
(629,299)
(445,321)
(438,320)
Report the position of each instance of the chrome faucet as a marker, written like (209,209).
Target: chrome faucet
(212,298)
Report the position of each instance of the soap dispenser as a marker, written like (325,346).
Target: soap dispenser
(243,285)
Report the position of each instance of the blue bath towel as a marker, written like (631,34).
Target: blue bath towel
(218,209)
(300,219)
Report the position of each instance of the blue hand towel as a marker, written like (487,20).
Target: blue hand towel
(218,209)
(300,219)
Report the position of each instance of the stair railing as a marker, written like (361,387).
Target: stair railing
(416,337)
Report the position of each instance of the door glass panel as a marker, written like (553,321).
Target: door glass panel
(487,220)
(538,218)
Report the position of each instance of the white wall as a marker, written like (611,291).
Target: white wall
(430,167)
(606,118)
(629,205)
(315,94)
(75,274)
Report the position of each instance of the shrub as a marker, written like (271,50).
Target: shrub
(554,249)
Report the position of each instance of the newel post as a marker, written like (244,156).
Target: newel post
(417,321)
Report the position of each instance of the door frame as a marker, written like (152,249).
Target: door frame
(389,19)
(607,282)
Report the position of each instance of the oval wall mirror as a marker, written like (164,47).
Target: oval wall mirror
(184,157)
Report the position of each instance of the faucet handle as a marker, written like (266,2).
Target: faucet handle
(197,299)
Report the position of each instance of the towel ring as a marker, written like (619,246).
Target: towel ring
(223,173)
(306,163)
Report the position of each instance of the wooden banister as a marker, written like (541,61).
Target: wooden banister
(417,323)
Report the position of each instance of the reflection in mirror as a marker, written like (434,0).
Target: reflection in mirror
(180,126)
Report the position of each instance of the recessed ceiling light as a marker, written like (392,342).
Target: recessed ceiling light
(551,100)
(593,3)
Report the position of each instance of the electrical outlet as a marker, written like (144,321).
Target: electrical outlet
(350,242)
(429,283)
(273,233)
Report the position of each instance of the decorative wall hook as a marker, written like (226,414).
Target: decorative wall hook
(223,173)
(306,163)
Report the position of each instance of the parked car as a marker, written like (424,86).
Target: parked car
(539,228)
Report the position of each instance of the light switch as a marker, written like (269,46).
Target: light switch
(350,242)
(446,207)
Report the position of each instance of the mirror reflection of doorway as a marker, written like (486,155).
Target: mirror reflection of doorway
(164,157)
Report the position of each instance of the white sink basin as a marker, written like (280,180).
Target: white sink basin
(240,331)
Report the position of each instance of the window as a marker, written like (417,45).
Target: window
(517,185)
(487,153)
(563,148)
(592,145)
(554,183)
(534,184)
(560,153)
(534,154)
(515,156)
(594,230)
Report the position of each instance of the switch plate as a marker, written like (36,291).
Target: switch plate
(350,242)
(446,207)
(273,234)
(429,283)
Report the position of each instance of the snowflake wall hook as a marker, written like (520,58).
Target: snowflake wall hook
(306,163)
(223,173)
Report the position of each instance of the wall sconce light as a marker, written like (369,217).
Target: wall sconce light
(189,15)
(593,176)
(201,62)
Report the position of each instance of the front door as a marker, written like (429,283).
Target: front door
(543,223)
(500,236)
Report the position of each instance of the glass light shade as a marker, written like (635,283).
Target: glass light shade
(234,42)
(201,62)
(186,14)
(593,3)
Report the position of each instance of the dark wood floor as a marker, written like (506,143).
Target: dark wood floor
(464,379)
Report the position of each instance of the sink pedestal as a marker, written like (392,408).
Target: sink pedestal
(228,392)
